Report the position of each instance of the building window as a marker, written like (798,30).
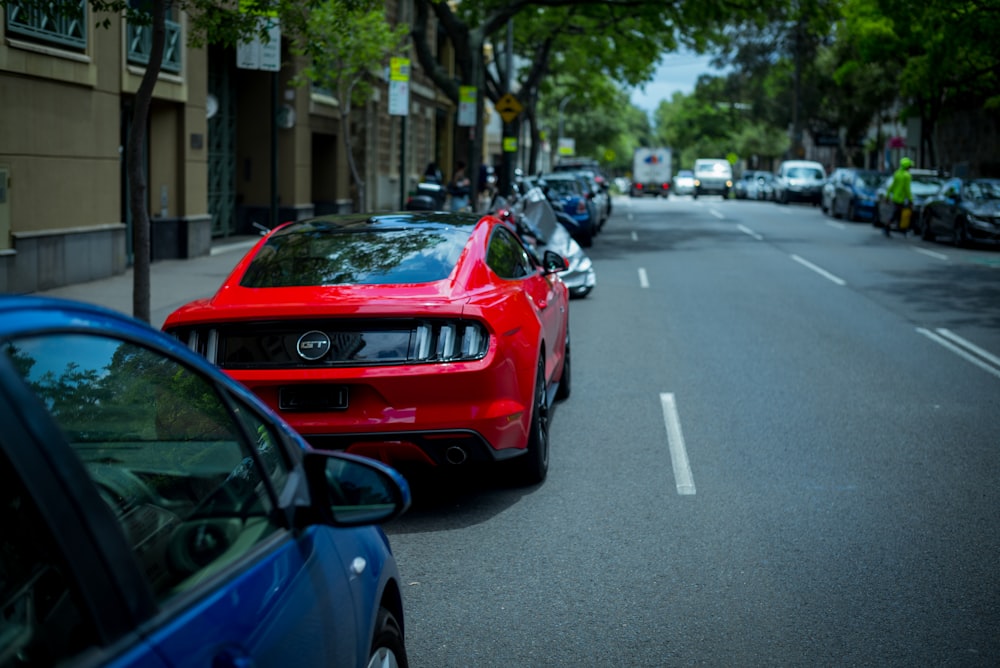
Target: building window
(140,42)
(60,22)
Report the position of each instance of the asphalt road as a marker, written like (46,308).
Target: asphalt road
(782,448)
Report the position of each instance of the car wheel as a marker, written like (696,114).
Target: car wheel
(564,382)
(534,464)
(852,215)
(388,650)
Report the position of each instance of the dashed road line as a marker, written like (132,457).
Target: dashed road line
(675,439)
(933,254)
(643,278)
(822,272)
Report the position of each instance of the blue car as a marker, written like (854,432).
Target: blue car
(854,193)
(566,193)
(155,513)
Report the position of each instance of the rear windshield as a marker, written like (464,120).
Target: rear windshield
(871,179)
(925,185)
(804,173)
(712,168)
(366,255)
(564,188)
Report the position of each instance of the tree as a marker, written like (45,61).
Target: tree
(347,46)
(652,25)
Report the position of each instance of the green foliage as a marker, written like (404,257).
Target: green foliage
(347,47)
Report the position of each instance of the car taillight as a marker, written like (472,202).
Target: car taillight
(205,343)
(449,342)
(581,206)
(372,343)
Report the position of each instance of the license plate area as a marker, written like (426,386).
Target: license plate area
(314,398)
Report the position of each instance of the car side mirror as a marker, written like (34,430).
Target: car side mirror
(554,262)
(346,490)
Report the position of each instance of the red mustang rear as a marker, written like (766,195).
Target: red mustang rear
(423,336)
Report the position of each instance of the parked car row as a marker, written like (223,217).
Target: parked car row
(964,211)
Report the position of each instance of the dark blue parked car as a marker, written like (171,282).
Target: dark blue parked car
(567,194)
(854,193)
(965,210)
(155,513)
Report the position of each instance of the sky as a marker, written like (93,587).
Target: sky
(677,72)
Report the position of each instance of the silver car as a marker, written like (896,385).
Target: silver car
(536,222)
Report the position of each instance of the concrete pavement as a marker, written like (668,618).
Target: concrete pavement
(173,283)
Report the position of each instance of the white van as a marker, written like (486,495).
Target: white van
(800,181)
(712,176)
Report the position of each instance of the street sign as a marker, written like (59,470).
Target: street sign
(508,107)
(399,86)
(466,106)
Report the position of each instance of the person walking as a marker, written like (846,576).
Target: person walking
(900,195)
(459,188)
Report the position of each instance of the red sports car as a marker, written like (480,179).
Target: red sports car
(419,336)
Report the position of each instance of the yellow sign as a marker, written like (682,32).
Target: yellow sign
(399,69)
(508,107)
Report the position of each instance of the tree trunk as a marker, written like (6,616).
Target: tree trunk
(137,199)
(345,130)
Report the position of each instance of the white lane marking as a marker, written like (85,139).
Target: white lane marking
(746,230)
(635,235)
(678,451)
(716,213)
(822,272)
(643,279)
(964,349)
(933,254)
(833,223)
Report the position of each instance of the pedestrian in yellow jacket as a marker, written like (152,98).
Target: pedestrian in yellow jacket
(899,194)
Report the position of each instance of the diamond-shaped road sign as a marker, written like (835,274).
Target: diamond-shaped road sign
(508,107)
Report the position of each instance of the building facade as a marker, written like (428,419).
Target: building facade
(228,146)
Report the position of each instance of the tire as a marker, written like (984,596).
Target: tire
(533,465)
(565,381)
(852,215)
(388,650)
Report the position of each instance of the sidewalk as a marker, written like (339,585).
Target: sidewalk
(173,283)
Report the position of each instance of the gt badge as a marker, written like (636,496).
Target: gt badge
(313,345)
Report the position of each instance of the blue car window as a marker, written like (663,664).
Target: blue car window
(180,466)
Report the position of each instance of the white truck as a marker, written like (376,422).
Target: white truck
(651,172)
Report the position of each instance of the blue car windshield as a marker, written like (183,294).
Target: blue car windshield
(985,189)
(870,179)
